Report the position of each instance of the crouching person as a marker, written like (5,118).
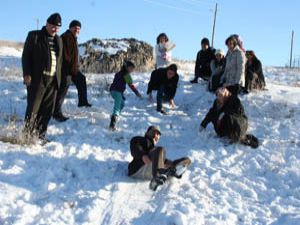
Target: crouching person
(229,118)
(150,162)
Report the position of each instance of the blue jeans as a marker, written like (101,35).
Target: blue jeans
(119,102)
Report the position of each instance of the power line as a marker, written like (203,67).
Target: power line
(173,7)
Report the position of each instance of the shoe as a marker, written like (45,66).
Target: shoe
(162,111)
(157,181)
(84,104)
(60,117)
(113,121)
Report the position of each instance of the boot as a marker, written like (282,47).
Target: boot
(113,122)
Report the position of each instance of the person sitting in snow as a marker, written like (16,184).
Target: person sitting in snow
(165,81)
(229,118)
(149,161)
(117,89)
(217,67)
(254,74)
(163,51)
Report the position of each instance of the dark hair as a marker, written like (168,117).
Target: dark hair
(205,41)
(231,38)
(250,52)
(127,64)
(75,23)
(172,67)
(160,36)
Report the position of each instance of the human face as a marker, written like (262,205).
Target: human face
(204,46)
(162,40)
(130,69)
(219,57)
(230,45)
(170,74)
(156,138)
(75,30)
(52,29)
(222,95)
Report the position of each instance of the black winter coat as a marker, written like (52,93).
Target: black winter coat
(159,78)
(139,146)
(233,123)
(202,67)
(36,56)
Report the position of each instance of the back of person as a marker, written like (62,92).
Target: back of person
(119,83)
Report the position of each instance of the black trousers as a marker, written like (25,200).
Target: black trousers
(80,82)
(40,105)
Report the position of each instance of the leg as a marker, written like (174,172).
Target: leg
(157,156)
(159,98)
(80,82)
(61,94)
(119,102)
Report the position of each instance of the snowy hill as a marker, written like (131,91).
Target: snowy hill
(80,177)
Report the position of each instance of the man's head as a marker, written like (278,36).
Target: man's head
(154,133)
(53,24)
(75,27)
(171,71)
(204,43)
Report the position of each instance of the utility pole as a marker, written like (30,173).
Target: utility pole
(213,32)
(291,54)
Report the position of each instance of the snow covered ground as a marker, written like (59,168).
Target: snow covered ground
(80,177)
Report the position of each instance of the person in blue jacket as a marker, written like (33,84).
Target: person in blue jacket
(117,89)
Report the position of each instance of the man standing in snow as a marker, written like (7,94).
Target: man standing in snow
(41,63)
(165,81)
(70,71)
(149,161)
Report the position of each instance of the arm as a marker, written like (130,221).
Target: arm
(27,55)
(128,81)
(197,65)
(241,65)
(210,116)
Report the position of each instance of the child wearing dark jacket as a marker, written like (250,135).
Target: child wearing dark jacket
(117,89)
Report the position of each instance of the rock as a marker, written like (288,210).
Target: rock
(107,56)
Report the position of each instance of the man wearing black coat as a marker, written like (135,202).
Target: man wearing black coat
(164,81)
(41,63)
(228,116)
(70,71)
(204,57)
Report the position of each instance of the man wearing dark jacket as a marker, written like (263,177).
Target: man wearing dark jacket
(164,81)
(41,63)
(70,71)
(204,57)
(150,161)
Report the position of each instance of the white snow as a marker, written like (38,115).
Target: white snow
(111,47)
(80,177)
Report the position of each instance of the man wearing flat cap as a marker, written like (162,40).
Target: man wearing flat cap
(70,71)
(41,63)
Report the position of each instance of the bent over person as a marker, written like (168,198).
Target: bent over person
(41,63)
(150,162)
(229,118)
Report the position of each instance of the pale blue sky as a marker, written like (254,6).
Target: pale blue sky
(264,25)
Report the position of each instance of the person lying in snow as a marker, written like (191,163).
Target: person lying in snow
(150,162)
(117,89)
(164,81)
(229,118)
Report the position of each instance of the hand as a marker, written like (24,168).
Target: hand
(27,80)
(146,159)
(150,99)
(172,104)
(201,129)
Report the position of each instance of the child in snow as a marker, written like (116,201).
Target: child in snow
(229,118)
(217,67)
(117,89)
(163,50)
(149,161)
(164,81)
